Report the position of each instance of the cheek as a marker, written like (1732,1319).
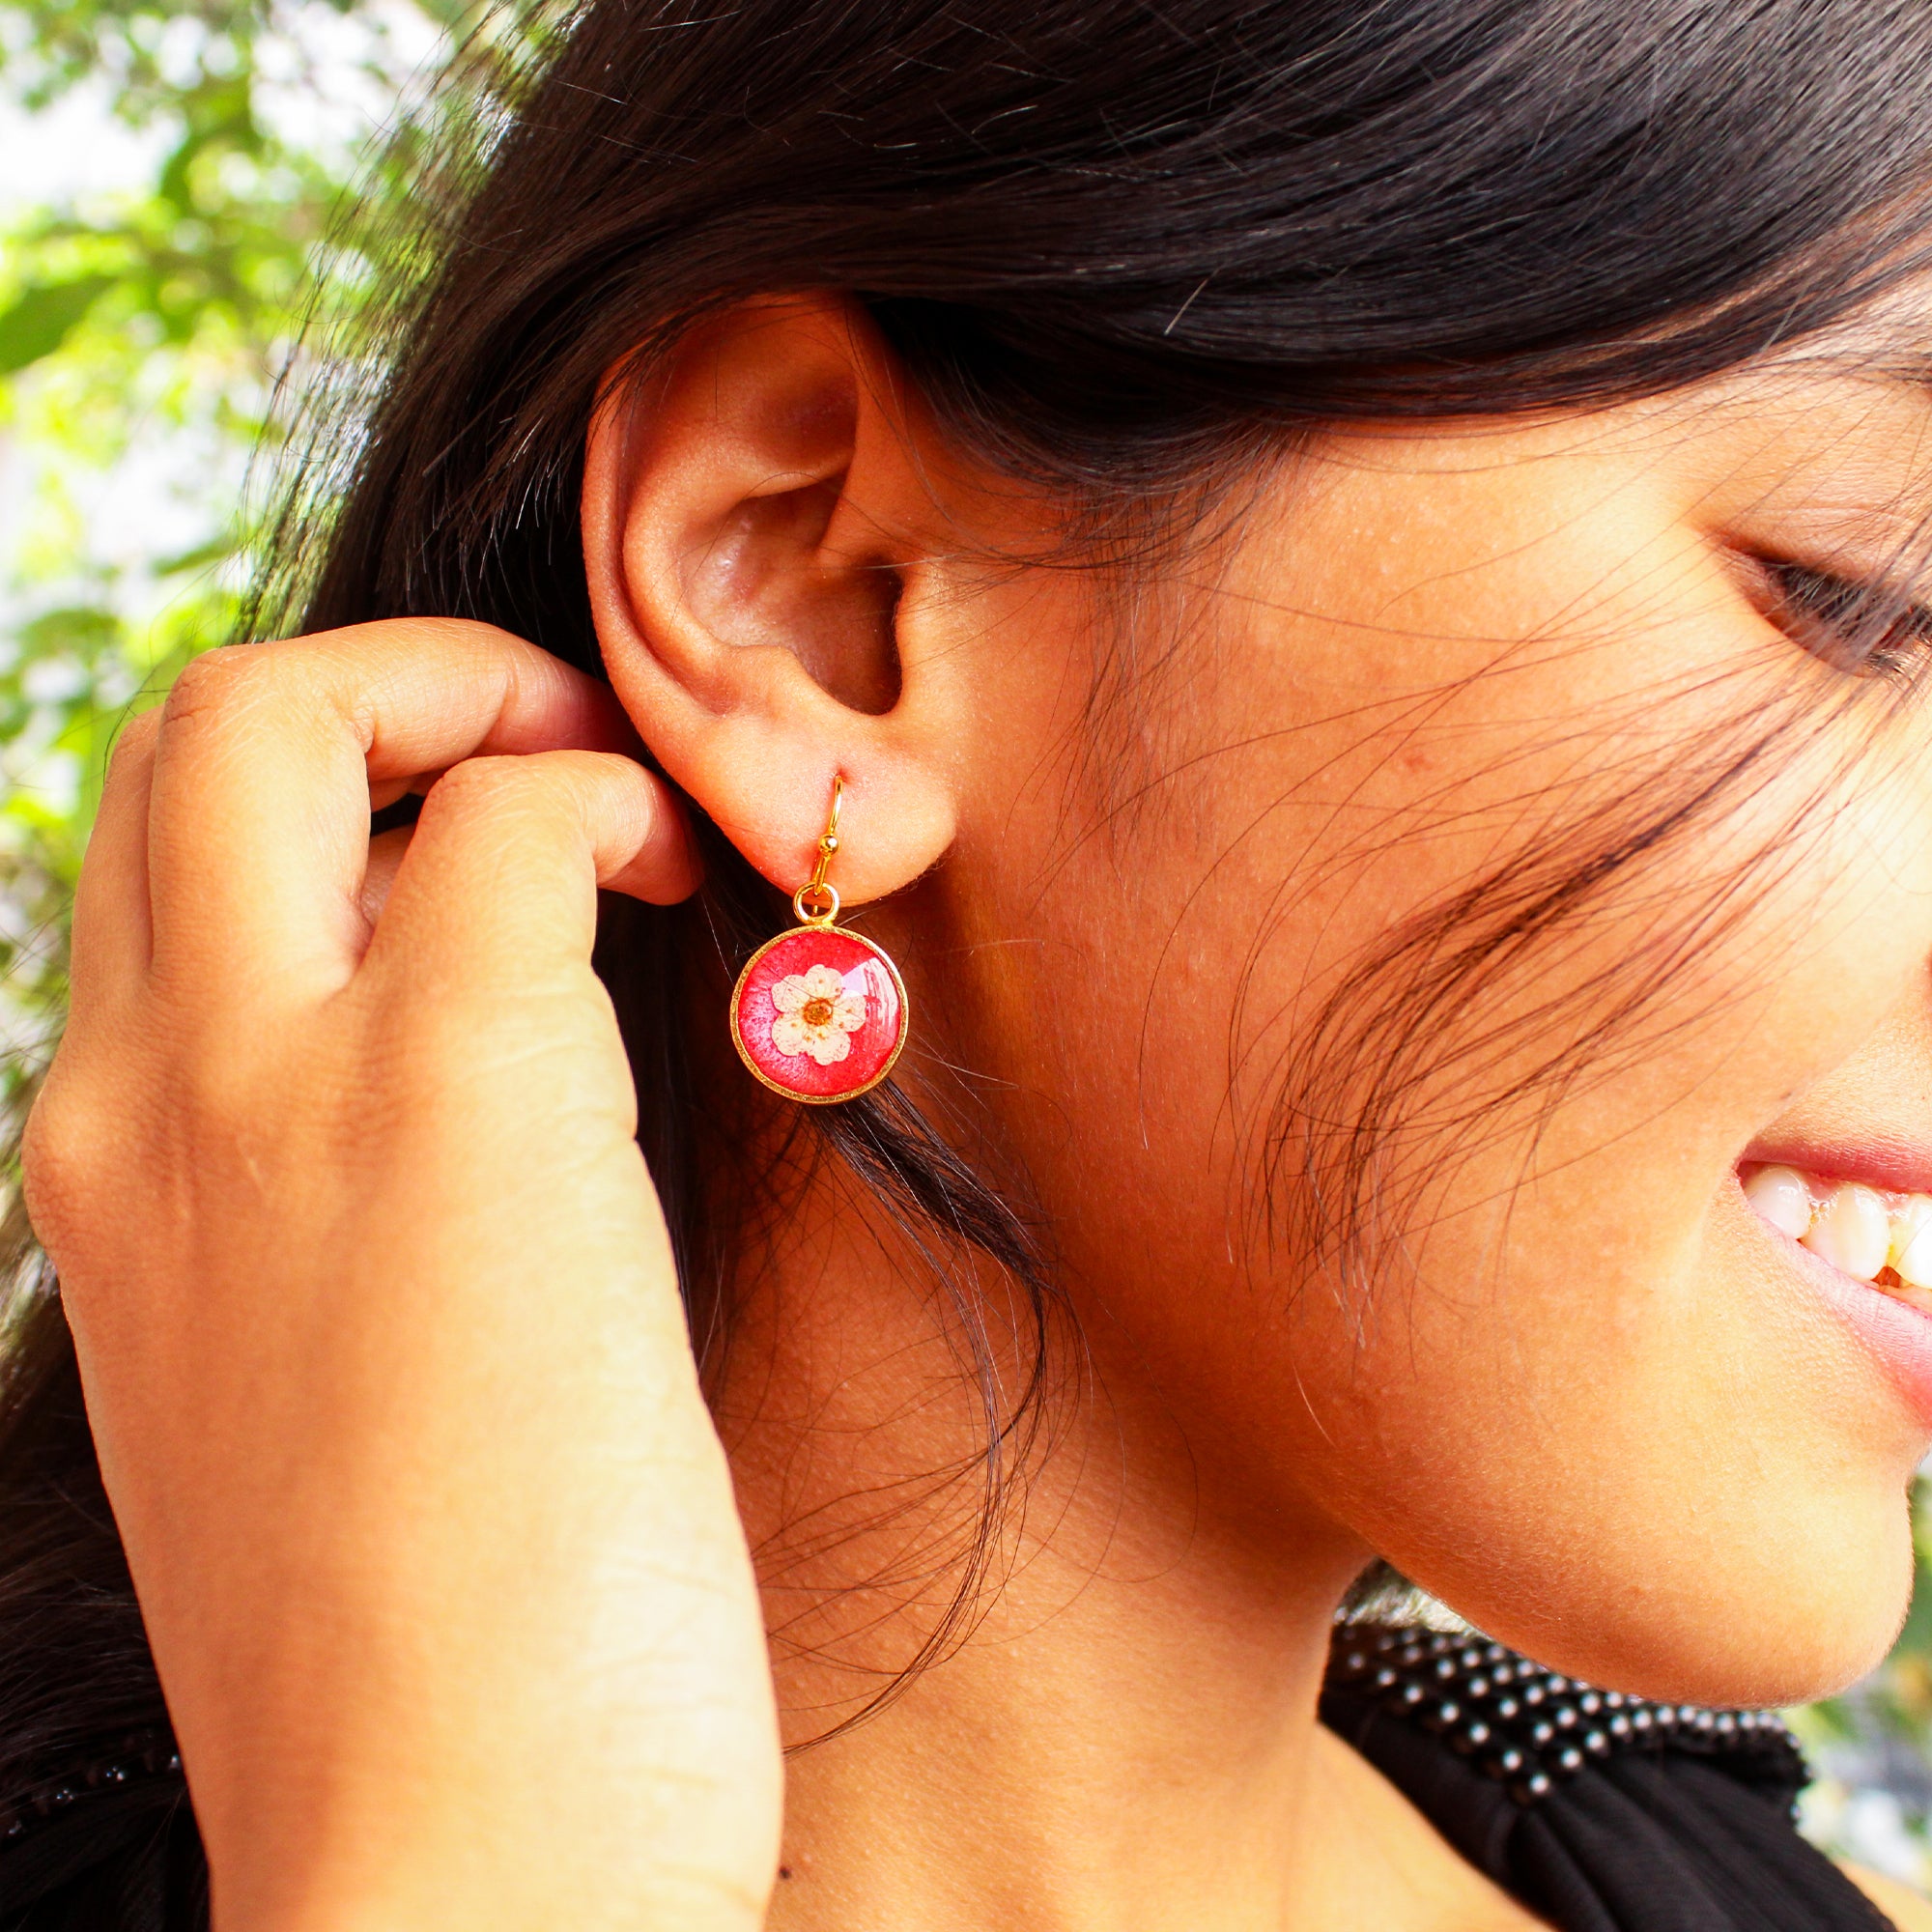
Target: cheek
(1636,1453)
(1576,1399)
(1582,1399)
(1572,1392)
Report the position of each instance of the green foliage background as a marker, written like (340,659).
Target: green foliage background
(141,335)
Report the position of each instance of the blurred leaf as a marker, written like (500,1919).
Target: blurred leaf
(43,318)
(85,624)
(214,550)
(155,321)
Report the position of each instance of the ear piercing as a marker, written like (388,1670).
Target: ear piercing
(819,1013)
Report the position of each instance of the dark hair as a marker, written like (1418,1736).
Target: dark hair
(1112,244)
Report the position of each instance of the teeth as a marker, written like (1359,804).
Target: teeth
(1857,1228)
(1912,1241)
(1852,1231)
(1779,1194)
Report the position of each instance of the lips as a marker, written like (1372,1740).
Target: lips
(1855,1243)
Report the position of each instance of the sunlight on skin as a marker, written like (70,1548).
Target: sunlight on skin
(1529,792)
(1590,1402)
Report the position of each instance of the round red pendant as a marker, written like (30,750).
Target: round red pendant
(819,1014)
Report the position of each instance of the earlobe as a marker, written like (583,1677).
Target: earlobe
(756,527)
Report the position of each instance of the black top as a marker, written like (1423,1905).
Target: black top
(1602,1812)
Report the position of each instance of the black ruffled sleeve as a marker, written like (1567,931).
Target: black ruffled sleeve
(114,1861)
(1602,1812)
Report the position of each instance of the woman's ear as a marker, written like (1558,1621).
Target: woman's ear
(762,536)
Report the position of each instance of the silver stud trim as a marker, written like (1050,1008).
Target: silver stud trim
(1524,1727)
(139,1757)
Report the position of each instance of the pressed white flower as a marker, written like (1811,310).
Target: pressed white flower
(816,1015)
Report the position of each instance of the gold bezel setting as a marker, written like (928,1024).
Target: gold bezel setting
(886,1066)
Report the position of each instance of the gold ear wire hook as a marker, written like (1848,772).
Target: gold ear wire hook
(827,839)
(815,902)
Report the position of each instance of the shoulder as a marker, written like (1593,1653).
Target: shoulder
(1904,1907)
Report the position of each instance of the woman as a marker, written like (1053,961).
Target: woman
(1336,586)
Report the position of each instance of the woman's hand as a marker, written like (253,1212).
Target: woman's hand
(376,1313)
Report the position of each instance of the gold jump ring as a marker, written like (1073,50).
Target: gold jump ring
(815,903)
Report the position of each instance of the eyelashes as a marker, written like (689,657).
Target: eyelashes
(1863,629)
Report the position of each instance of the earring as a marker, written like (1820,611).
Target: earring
(819,1014)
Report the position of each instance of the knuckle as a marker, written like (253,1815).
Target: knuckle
(492,786)
(232,675)
(207,685)
(45,1150)
(462,633)
(56,1163)
(474,784)
(512,809)
(132,743)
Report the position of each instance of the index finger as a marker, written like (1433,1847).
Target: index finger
(258,828)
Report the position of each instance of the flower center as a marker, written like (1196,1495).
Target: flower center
(816,1012)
